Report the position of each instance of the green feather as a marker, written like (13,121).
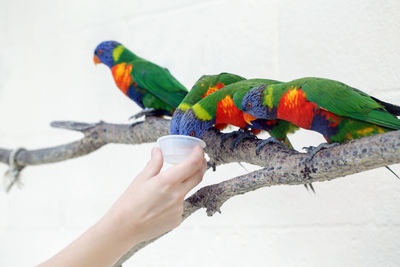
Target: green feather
(208,105)
(281,130)
(156,80)
(201,87)
(206,108)
(344,100)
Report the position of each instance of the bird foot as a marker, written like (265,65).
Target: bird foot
(387,167)
(145,112)
(135,123)
(270,140)
(242,136)
(311,187)
(243,167)
(312,150)
(226,136)
(212,166)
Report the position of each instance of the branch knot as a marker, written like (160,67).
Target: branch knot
(12,175)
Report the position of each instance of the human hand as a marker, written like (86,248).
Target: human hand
(151,206)
(153,203)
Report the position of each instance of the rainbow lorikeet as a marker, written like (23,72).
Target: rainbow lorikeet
(337,111)
(149,85)
(219,108)
(206,85)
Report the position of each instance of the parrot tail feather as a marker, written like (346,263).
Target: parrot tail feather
(392,109)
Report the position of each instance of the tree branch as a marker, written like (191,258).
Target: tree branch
(96,135)
(281,165)
(289,167)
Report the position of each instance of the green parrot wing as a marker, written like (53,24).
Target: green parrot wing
(228,78)
(343,100)
(198,90)
(158,81)
(205,83)
(207,107)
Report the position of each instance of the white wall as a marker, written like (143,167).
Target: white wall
(47,73)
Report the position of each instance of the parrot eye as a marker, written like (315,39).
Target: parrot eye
(100,51)
(192,133)
(249,105)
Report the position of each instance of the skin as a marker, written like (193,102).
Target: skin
(151,205)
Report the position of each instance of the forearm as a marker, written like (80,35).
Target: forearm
(151,206)
(101,245)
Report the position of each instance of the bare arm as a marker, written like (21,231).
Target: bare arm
(151,206)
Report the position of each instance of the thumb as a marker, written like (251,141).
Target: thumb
(155,164)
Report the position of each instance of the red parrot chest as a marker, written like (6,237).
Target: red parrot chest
(122,76)
(228,113)
(295,107)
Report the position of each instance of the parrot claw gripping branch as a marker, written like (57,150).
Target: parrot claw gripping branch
(366,128)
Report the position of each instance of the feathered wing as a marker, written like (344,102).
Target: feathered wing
(159,82)
(207,82)
(344,100)
(229,78)
(392,109)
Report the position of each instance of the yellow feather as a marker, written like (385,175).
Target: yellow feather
(117,52)
(201,113)
(268,97)
(120,70)
(184,106)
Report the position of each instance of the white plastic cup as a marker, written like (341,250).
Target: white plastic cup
(176,148)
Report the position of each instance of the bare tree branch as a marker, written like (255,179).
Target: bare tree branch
(289,167)
(96,135)
(281,165)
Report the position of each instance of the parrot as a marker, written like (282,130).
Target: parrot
(337,111)
(219,108)
(206,85)
(152,87)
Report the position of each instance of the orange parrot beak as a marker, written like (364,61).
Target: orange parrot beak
(96,60)
(248,118)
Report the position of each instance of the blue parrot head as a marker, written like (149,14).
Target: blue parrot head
(175,121)
(104,53)
(252,105)
(192,126)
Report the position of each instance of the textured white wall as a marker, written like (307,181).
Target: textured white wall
(46,74)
